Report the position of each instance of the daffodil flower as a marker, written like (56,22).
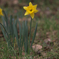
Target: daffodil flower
(1,12)
(31,9)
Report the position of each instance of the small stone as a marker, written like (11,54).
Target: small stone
(36,47)
(47,40)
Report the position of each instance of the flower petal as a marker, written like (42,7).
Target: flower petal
(26,13)
(35,6)
(36,11)
(31,9)
(25,7)
(2,14)
(30,4)
(0,10)
(32,15)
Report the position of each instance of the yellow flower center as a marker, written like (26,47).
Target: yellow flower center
(31,10)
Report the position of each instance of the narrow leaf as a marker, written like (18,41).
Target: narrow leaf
(34,35)
(16,34)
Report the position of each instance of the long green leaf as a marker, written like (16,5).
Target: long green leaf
(34,35)
(4,33)
(23,34)
(6,18)
(26,37)
(20,34)
(11,25)
(4,23)
(16,34)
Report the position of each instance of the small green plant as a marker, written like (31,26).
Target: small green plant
(9,29)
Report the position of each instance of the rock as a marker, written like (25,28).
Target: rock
(47,40)
(15,2)
(47,12)
(36,47)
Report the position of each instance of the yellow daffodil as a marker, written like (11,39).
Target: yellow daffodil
(1,12)
(31,9)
